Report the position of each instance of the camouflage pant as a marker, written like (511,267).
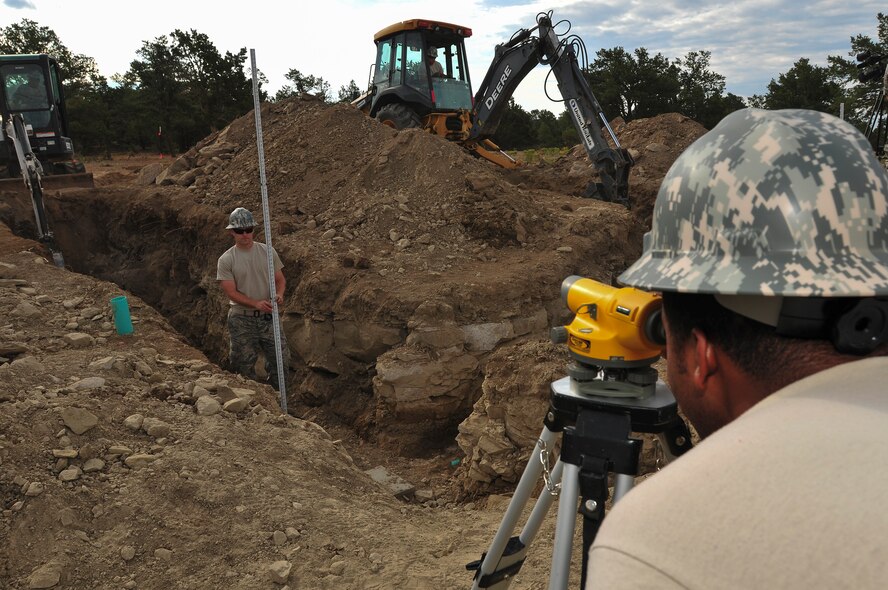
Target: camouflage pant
(250,335)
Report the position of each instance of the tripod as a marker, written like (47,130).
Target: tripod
(596,424)
(875,129)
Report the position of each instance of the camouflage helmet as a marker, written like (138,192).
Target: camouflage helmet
(240,217)
(786,203)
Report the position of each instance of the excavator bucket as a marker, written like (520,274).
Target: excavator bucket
(52,182)
(80,180)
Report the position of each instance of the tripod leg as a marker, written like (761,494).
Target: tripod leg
(622,484)
(564,528)
(544,502)
(491,561)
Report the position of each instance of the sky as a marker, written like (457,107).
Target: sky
(751,41)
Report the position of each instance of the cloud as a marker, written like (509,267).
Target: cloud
(19,4)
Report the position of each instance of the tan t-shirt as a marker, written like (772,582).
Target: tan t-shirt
(249,271)
(789,495)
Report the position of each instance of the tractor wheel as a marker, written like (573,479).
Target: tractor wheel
(398,116)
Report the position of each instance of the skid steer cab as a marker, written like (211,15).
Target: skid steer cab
(30,86)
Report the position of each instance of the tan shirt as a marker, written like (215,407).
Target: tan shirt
(790,495)
(249,271)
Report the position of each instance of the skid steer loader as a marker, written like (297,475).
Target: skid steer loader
(31,86)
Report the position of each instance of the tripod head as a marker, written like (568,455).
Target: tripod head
(871,66)
(614,338)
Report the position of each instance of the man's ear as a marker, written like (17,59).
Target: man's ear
(705,359)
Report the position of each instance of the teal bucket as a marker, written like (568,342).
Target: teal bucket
(122,321)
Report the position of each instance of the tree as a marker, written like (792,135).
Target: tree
(187,88)
(515,130)
(303,84)
(546,131)
(804,86)
(633,85)
(78,71)
(701,91)
(349,93)
(858,97)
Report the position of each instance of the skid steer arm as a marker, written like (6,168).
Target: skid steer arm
(32,175)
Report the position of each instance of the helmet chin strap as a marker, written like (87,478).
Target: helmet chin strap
(853,325)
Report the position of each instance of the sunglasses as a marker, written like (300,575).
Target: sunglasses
(242,230)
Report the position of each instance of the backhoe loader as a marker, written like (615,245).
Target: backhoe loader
(421,79)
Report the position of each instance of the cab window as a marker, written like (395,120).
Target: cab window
(417,73)
(383,63)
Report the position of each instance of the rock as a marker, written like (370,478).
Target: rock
(225,393)
(398,487)
(163,554)
(139,460)
(119,450)
(337,568)
(210,383)
(65,453)
(279,538)
(425,495)
(90,313)
(79,340)
(79,420)
(148,174)
(35,488)
(8,349)
(89,451)
(279,571)
(92,465)
(103,364)
(134,422)
(72,303)
(26,310)
(143,368)
(88,383)
(236,405)
(207,406)
(485,337)
(72,473)
(127,552)
(199,392)
(46,576)
(155,427)
(28,363)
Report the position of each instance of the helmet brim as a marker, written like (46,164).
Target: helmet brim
(786,274)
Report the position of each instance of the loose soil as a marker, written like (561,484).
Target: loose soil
(421,283)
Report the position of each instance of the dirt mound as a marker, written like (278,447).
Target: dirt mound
(653,143)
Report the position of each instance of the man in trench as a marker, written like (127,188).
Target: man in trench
(242,272)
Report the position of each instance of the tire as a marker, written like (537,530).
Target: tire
(398,116)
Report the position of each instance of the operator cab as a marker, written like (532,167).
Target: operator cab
(30,85)
(406,70)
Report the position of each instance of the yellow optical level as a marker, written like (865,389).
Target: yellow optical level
(613,327)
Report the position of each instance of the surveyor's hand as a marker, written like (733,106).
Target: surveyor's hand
(266,306)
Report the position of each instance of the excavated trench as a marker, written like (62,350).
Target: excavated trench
(163,248)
